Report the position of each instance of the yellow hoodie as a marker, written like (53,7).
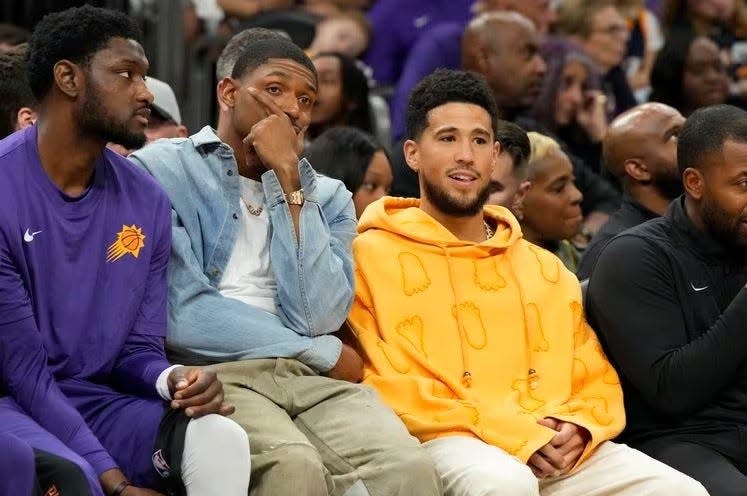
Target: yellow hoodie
(476,339)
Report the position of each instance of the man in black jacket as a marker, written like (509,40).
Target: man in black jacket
(669,302)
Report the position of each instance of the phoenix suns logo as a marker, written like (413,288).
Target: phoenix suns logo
(129,240)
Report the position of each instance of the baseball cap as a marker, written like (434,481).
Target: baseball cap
(164,100)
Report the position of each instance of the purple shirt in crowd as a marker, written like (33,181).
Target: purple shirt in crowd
(82,308)
(397,25)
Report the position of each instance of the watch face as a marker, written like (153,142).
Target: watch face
(295,198)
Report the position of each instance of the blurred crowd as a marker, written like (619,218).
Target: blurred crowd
(562,68)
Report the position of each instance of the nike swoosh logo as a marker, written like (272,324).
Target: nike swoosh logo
(697,290)
(421,21)
(29,236)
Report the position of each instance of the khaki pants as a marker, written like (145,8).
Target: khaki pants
(312,435)
(470,467)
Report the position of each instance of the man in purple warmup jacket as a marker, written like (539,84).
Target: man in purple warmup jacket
(84,244)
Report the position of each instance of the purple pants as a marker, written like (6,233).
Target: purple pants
(17,469)
(18,428)
(125,425)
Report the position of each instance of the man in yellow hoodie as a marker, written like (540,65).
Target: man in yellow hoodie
(476,337)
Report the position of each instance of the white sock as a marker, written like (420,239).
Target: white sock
(215,461)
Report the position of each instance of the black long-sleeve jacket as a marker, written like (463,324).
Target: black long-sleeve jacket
(669,304)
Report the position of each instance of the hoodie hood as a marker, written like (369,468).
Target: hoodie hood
(403,217)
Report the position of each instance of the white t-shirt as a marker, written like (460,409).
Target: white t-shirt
(248,276)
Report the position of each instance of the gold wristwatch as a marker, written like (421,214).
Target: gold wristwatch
(295,197)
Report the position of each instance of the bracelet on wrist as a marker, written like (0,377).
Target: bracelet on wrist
(121,488)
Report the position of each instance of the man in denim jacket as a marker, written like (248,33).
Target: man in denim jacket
(261,276)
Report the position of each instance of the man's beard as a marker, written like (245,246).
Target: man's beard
(668,183)
(721,227)
(95,120)
(453,205)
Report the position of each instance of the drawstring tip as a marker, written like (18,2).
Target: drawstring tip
(467,379)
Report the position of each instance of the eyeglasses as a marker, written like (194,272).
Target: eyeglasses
(613,30)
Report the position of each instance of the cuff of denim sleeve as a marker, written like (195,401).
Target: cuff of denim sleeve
(274,192)
(323,353)
(162,383)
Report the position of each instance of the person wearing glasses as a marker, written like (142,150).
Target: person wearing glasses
(601,31)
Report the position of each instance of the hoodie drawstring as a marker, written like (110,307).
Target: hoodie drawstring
(466,374)
(532,376)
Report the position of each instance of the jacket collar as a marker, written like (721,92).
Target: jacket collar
(629,204)
(205,136)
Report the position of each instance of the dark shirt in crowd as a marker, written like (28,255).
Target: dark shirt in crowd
(630,214)
(578,142)
(670,308)
(615,86)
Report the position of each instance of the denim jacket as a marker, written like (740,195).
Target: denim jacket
(314,276)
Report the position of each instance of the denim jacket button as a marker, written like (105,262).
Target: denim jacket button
(235,215)
(230,172)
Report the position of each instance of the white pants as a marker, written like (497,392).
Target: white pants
(470,467)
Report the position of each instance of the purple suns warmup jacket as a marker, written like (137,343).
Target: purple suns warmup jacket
(82,300)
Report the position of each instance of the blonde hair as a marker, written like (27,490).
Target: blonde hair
(541,146)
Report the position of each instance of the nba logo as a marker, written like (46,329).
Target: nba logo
(159,463)
(52,491)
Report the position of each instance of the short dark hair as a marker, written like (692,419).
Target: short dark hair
(259,51)
(706,131)
(14,90)
(344,153)
(447,86)
(74,34)
(515,142)
(236,46)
